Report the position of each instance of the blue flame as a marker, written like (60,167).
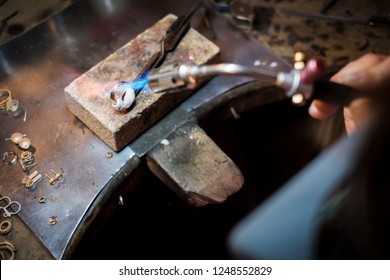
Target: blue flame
(139,84)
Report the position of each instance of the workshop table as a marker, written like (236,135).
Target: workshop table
(36,67)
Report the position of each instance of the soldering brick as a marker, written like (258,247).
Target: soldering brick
(88,96)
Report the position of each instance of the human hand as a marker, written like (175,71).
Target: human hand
(371,73)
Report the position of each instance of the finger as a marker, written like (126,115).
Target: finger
(321,110)
(375,80)
(353,74)
(348,73)
(359,110)
(378,77)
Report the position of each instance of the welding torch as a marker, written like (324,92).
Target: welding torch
(305,84)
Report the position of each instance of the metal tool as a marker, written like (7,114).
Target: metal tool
(326,5)
(124,93)
(307,82)
(375,20)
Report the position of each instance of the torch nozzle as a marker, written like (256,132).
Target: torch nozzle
(189,75)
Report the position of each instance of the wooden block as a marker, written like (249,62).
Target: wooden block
(194,167)
(88,96)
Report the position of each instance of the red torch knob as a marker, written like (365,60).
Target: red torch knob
(314,69)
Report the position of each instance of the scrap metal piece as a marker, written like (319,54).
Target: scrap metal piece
(7,102)
(26,156)
(25,115)
(10,158)
(27,160)
(7,250)
(29,177)
(5,97)
(57,177)
(243,15)
(33,181)
(53,220)
(9,205)
(12,105)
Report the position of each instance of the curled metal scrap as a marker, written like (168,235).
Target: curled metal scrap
(9,206)
(7,250)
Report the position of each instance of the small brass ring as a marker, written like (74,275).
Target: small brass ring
(26,155)
(42,199)
(10,158)
(7,246)
(5,227)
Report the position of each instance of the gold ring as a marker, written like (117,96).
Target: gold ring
(26,155)
(7,246)
(5,227)
(5,97)
(10,158)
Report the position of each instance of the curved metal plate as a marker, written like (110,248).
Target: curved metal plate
(39,64)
